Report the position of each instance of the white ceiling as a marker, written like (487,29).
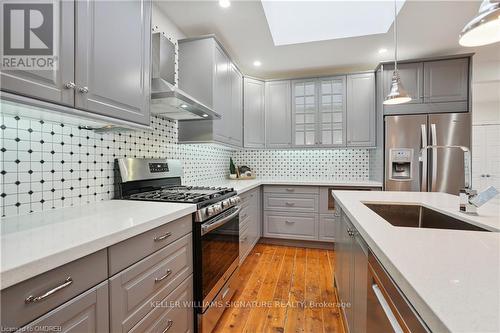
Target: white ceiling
(425,28)
(294,22)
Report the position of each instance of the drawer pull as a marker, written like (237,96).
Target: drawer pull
(290,190)
(289,222)
(170,322)
(290,204)
(162,237)
(243,239)
(167,274)
(34,299)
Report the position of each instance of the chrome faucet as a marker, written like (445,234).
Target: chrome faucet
(470,200)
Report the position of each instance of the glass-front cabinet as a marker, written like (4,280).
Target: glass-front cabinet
(319,108)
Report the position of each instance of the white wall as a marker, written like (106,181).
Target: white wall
(486,85)
(164,23)
(486,117)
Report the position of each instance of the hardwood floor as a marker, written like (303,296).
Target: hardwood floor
(284,289)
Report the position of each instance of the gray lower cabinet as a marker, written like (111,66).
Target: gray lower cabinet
(85,313)
(104,60)
(290,225)
(147,282)
(278,114)
(351,274)
(254,116)
(113,58)
(27,300)
(361,124)
(207,73)
(250,221)
(49,85)
(327,227)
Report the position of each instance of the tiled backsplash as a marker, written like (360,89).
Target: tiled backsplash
(328,164)
(46,165)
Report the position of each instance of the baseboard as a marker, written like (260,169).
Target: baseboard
(297,243)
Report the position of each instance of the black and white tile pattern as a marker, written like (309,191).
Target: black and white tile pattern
(48,165)
(327,164)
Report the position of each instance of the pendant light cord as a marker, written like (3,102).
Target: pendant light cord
(395,37)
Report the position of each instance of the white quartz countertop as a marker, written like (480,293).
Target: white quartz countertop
(36,243)
(242,186)
(451,277)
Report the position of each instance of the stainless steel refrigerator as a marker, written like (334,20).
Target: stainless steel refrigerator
(438,170)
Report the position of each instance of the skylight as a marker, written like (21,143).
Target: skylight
(294,22)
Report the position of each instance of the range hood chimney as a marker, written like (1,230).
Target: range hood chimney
(166,99)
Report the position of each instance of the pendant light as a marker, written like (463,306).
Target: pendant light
(398,94)
(483,29)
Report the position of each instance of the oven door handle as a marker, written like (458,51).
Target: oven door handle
(207,227)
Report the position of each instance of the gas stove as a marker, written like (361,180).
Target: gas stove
(187,194)
(215,227)
(160,180)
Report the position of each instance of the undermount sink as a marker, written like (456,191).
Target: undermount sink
(416,216)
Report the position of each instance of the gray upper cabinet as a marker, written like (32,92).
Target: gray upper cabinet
(412,76)
(319,112)
(254,116)
(49,85)
(361,124)
(104,60)
(278,114)
(446,80)
(207,73)
(113,59)
(235,123)
(304,112)
(434,86)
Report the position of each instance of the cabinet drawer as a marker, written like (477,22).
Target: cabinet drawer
(290,226)
(291,189)
(85,313)
(327,227)
(244,243)
(167,318)
(67,281)
(149,280)
(132,250)
(296,203)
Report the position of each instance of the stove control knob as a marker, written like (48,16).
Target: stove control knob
(237,200)
(226,203)
(210,211)
(217,208)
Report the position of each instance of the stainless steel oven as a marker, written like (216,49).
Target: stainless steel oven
(216,256)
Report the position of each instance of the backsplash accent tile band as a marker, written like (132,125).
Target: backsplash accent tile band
(320,164)
(48,165)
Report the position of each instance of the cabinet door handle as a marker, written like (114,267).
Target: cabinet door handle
(290,190)
(290,204)
(83,90)
(167,274)
(162,237)
(289,222)
(34,299)
(170,322)
(70,85)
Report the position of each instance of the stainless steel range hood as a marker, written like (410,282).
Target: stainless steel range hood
(167,99)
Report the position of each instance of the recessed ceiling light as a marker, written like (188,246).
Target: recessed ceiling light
(205,115)
(382,50)
(184,106)
(224,3)
(257,63)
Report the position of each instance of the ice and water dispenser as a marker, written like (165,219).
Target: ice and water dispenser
(400,161)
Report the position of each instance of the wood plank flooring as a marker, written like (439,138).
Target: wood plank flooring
(284,289)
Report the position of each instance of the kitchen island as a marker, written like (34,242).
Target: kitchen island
(450,277)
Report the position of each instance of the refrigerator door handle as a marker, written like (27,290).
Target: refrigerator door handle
(423,159)
(434,158)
